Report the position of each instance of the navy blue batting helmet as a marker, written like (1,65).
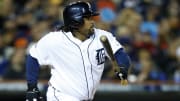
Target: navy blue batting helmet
(74,13)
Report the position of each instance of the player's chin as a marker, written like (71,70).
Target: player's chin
(91,30)
(91,33)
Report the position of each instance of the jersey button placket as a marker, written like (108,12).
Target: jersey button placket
(84,56)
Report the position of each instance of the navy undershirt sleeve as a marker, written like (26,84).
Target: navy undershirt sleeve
(32,70)
(122,58)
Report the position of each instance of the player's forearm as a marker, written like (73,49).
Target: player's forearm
(32,70)
(122,59)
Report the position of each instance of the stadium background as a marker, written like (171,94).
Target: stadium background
(149,29)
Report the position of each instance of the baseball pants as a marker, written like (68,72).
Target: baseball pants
(55,95)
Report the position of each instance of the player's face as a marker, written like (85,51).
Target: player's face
(87,28)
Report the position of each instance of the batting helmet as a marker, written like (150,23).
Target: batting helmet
(74,13)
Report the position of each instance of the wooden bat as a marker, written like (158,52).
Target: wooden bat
(104,40)
(108,49)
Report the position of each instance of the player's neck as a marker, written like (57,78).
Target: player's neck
(79,36)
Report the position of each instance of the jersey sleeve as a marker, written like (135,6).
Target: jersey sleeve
(115,45)
(40,51)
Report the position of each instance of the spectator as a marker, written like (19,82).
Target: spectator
(15,67)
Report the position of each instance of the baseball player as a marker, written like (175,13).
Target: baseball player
(76,56)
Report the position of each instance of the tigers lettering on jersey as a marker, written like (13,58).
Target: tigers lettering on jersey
(100,57)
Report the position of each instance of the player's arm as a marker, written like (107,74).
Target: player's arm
(120,56)
(32,72)
(123,61)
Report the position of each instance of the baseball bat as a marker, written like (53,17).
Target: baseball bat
(109,51)
(104,40)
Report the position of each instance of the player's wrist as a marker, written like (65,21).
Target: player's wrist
(32,87)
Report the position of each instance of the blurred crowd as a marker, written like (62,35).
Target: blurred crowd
(148,29)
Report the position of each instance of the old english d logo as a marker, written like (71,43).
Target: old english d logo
(100,57)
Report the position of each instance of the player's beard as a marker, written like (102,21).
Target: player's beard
(91,30)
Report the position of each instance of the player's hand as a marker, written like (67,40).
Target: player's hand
(33,94)
(122,75)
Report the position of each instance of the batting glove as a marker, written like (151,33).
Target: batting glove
(33,93)
(122,74)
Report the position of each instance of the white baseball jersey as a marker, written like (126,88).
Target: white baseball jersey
(77,65)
